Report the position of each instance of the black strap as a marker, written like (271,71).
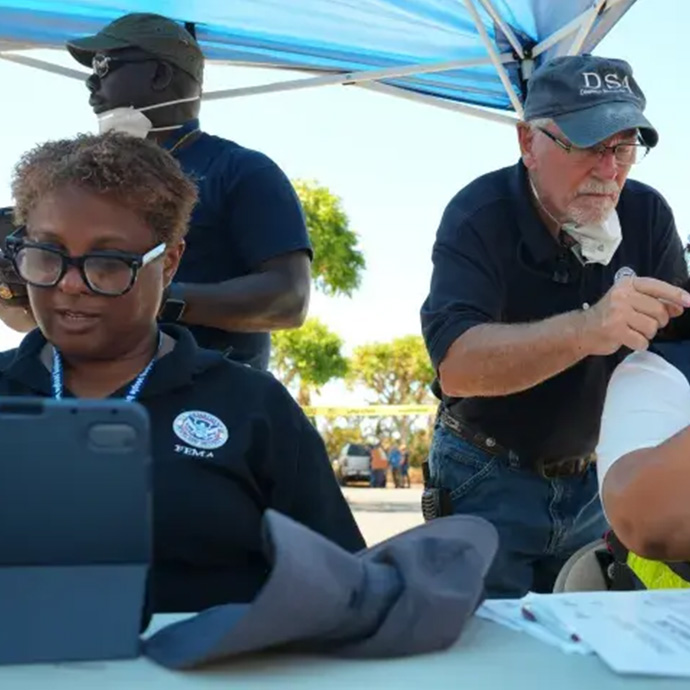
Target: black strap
(426,475)
(622,578)
(681,569)
(620,553)
(616,547)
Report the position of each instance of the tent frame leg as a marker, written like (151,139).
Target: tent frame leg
(493,54)
(453,106)
(585,28)
(505,28)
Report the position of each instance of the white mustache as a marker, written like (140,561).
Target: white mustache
(597,187)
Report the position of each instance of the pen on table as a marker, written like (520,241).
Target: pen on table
(528,614)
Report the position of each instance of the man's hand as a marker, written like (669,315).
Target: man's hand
(630,314)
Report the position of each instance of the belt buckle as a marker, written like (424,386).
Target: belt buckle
(543,470)
(576,467)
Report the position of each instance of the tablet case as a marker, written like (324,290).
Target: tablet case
(75,529)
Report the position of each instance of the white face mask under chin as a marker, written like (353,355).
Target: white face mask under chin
(598,241)
(132,121)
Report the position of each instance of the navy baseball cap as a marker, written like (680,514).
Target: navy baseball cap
(157,35)
(589,98)
(411,594)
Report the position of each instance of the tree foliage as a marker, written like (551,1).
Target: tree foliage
(335,434)
(398,372)
(338,263)
(307,358)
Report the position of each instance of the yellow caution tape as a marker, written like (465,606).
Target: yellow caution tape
(370,411)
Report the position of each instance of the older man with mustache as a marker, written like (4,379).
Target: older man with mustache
(545,275)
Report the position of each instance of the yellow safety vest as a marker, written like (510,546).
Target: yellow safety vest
(646,573)
(655,574)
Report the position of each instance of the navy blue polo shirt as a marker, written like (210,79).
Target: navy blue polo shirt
(248,213)
(228,442)
(494,261)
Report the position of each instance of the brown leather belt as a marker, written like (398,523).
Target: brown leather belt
(548,469)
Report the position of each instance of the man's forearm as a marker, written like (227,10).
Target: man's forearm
(657,479)
(255,303)
(500,359)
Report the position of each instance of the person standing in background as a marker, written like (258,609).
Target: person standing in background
(246,270)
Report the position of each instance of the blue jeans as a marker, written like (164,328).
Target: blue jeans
(540,522)
(378,478)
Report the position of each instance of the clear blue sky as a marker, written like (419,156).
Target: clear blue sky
(395,164)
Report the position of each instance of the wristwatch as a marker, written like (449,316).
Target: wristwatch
(173,305)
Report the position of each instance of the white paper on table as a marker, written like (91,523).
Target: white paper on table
(640,632)
(508,612)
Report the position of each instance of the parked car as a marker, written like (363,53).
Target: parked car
(352,464)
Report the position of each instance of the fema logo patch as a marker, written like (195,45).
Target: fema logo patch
(200,430)
(624,272)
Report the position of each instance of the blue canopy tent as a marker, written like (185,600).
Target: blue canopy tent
(473,56)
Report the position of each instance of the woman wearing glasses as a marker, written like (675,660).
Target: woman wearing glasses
(102,220)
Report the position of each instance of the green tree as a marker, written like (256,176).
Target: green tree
(336,434)
(398,373)
(338,263)
(307,358)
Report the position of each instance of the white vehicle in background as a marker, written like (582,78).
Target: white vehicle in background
(353,464)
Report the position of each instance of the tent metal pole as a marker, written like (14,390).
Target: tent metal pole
(348,78)
(493,54)
(27,61)
(14,45)
(579,40)
(453,106)
(328,79)
(556,37)
(570,28)
(504,27)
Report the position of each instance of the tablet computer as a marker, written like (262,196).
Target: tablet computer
(75,528)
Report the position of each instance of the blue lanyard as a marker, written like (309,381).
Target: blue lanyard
(134,390)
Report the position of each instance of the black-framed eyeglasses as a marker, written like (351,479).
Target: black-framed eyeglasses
(108,272)
(625,152)
(102,65)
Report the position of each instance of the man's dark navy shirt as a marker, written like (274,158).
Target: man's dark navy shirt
(496,262)
(248,213)
(228,442)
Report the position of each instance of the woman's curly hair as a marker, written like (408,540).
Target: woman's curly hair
(137,173)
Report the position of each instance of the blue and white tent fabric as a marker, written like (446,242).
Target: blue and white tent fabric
(470,55)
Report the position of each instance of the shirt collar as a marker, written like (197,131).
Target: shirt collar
(175,370)
(540,242)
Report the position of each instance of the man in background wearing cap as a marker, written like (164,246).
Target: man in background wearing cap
(246,269)
(544,275)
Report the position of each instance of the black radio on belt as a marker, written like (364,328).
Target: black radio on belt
(436,502)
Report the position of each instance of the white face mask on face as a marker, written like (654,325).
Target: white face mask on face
(132,121)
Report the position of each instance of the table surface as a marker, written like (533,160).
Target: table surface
(486,656)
